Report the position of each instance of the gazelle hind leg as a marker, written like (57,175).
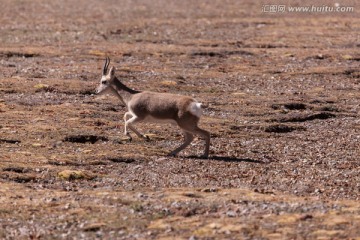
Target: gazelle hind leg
(188,139)
(192,127)
(206,136)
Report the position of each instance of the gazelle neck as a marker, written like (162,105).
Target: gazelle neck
(123,92)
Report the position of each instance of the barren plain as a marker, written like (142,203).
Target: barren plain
(282,101)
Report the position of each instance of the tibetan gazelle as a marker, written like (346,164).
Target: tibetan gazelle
(159,107)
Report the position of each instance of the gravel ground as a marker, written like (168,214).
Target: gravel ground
(281,96)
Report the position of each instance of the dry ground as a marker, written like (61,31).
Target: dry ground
(282,103)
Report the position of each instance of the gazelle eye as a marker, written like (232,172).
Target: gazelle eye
(104,82)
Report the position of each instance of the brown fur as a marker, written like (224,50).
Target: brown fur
(160,105)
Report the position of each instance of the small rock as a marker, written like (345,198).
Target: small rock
(57,144)
(41,86)
(231,213)
(347,57)
(161,159)
(306,217)
(97,53)
(142,196)
(37,145)
(318,190)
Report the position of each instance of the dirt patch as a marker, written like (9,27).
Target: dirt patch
(305,117)
(290,106)
(16,169)
(85,139)
(9,54)
(283,128)
(121,160)
(11,141)
(220,53)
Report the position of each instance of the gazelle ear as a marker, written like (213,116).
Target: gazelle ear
(112,71)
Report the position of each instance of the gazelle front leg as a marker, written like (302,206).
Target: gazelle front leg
(192,128)
(126,133)
(128,123)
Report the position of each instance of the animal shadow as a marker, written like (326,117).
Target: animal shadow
(229,159)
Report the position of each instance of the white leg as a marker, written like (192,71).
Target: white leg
(128,123)
(125,127)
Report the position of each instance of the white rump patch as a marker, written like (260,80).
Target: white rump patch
(195,108)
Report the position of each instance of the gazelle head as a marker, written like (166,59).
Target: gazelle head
(106,78)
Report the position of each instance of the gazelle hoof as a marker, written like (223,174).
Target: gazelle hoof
(172,154)
(129,138)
